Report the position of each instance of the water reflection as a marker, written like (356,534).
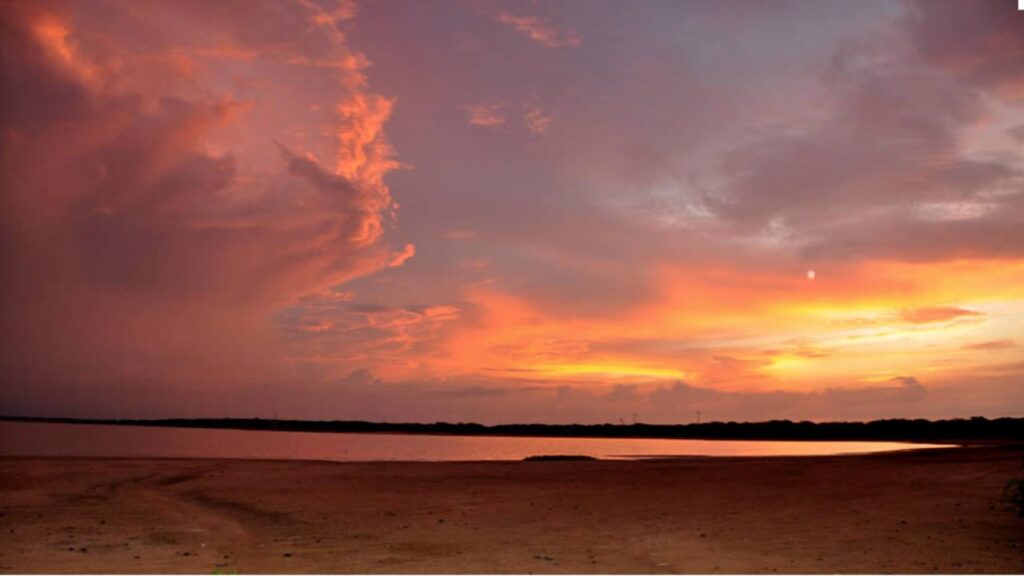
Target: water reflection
(89,440)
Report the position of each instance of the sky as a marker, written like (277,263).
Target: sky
(496,211)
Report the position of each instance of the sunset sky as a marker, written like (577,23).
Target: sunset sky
(533,211)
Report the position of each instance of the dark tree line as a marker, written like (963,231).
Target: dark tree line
(977,428)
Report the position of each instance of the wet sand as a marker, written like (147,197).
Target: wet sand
(910,512)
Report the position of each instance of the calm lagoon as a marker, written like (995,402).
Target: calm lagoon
(105,441)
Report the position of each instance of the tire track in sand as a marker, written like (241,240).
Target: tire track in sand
(183,520)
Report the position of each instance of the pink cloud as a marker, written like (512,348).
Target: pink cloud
(982,42)
(540,31)
(486,115)
(935,314)
(163,260)
(1003,344)
(536,120)
(460,234)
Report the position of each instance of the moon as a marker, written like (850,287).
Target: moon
(811,274)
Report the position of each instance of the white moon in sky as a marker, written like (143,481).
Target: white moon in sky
(811,274)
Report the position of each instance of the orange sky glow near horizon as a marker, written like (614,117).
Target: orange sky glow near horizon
(505,211)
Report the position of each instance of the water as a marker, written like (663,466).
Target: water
(91,440)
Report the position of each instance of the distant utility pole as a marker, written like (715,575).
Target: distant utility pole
(698,416)
(634,417)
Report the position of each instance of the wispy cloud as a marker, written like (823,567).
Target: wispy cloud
(540,31)
(1002,344)
(935,314)
(460,234)
(486,115)
(536,120)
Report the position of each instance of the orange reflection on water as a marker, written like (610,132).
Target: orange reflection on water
(100,441)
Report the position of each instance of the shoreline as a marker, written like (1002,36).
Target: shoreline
(939,443)
(47,439)
(638,431)
(549,458)
(913,511)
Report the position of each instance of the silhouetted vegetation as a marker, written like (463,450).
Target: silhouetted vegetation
(960,429)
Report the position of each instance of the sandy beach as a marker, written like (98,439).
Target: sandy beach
(910,512)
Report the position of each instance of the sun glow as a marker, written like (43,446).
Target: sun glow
(607,370)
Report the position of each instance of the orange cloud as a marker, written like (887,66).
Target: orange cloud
(736,329)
